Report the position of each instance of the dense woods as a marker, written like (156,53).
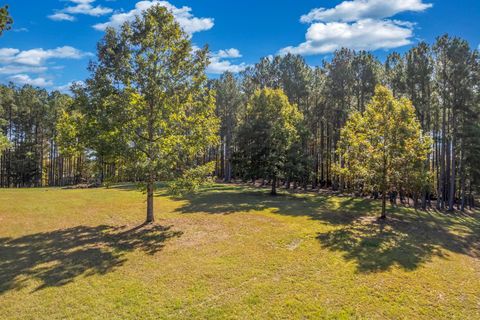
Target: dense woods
(282,122)
(441,81)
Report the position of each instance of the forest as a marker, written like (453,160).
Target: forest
(46,146)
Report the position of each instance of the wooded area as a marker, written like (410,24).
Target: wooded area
(46,132)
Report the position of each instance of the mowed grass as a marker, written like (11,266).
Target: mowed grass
(231,252)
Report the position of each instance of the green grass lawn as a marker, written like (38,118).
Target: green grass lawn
(231,252)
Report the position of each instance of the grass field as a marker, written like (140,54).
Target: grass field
(231,252)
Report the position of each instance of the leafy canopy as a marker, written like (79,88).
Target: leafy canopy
(269,129)
(147,102)
(383,148)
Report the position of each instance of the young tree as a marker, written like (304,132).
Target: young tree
(268,131)
(148,102)
(379,144)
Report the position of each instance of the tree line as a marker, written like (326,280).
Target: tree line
(148,112)
(441,81)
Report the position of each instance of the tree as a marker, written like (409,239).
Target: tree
(5,23)
(384,146)
(418,74)
(6,20)
(365,70)
(148,95)
(229,102)
(395,74)
(268,131)
(455,80)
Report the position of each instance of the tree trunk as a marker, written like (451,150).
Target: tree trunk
(451,197)
(150,215)
(274,186)
(384,205)
(228,164)
(384,186)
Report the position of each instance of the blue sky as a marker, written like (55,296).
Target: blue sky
(52,41)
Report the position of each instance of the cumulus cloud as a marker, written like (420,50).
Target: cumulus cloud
(23,79)
(220,62)
(362,35)
(60,16)
(183,16)
(20,66)
(36,57)
(349,11)
(15,69)
(228,53)
(84,7)
(359,25)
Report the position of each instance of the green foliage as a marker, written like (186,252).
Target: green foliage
(383,148)
(158,123)
(268,131)
(5,24)
(192,179)
(6,20)
(68,132)
(4,143)
(147,103)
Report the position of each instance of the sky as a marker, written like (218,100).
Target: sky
(52,41)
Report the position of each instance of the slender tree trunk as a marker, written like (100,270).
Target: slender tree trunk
(384,185)
(228,164)
(274,186)
(151,173)
(443,160)
(451,197)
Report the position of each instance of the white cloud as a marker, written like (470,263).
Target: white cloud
(60,16)
(85,7)
(183,16)
(15,69)
(6,53)
(365,34)
(36,57)
(349,11)
(228,53)
(220,63)
(359,25)
(25,79)
(20,65)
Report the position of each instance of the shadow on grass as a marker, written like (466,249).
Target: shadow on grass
(229,200)
(56,258)
(407,239)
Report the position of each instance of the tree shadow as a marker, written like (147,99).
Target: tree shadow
(224,201)
(404,240)
(57,257)
(407,239)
